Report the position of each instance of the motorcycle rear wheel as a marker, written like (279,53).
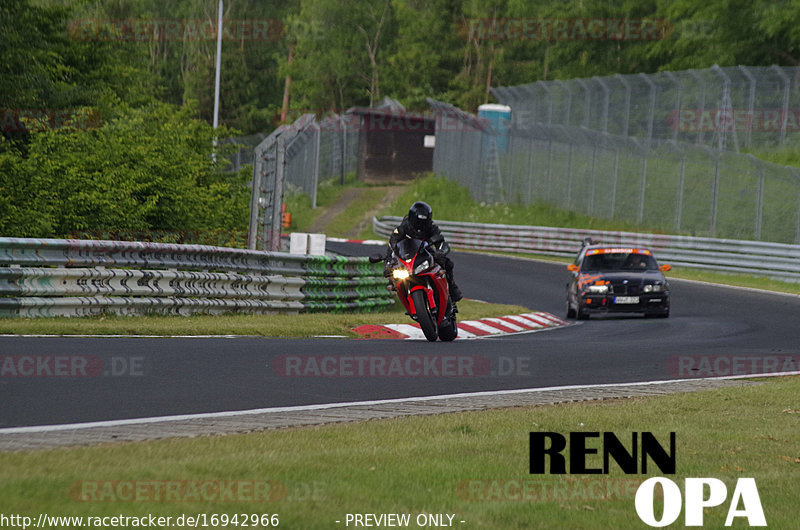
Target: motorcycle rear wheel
(424,316)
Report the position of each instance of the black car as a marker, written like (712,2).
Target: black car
(609,279)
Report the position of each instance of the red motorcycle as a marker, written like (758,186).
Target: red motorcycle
(422,288)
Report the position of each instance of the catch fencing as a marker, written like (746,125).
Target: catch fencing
(64,277)
(296,158)
(657,184)
(729,108)
(748,257)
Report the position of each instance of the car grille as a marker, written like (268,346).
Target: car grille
(620,288)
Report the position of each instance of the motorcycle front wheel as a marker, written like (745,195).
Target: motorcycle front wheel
(423,315)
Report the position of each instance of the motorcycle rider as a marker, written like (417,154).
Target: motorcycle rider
(418,224)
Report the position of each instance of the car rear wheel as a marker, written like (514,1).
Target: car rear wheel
(570,311)
(581,314)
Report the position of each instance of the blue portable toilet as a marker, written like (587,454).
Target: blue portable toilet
(499,117)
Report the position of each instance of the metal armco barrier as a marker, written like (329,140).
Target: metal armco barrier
(64,277)
(775,260)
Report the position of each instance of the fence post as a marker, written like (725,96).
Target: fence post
(714,190)
(785,108)
(725,113)
(605,102)
(751,101)
(274,240)
(681,183)
(614,182)
(759,196)
(587,103)
(677,123)
(569,100)
(547,91)
(252,232)
(700,83)
(652,110)
(593,184)
(627,115)
(315,173)
(643,179)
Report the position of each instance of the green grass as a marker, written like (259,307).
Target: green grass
(452,202)
(299,204)
(282,325)
(425,464)
(347,220)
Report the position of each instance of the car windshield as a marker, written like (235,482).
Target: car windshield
(619,261)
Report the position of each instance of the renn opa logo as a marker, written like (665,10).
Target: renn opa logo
(547,448)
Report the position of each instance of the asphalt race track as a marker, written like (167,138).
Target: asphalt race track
(89,379)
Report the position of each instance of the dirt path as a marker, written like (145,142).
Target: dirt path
(391,195)
(348,196)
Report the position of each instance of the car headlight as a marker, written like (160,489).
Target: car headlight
(597,289)
(425,265)
(653,288)
(400,274)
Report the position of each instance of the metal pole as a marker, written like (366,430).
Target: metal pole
(785,107)
(252,233)
(587,103)
(651,114)
(759,197)
(605,102)
(614,182)
(672,77)
(217,77)
(700,83)
(569,100)
(679,201)
(715,192)
(627,116)
(315,174)
(751,100)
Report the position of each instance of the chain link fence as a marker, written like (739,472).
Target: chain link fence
(731,108)
(295,159)
(658,184)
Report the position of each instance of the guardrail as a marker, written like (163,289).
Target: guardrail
(67,277)
(775,260)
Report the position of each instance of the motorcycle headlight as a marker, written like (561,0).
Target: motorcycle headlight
(425,265)
(400,274)
(597,289)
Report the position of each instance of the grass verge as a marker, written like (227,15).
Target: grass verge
(303,325)
(451,201)
(446,464)
(347,220)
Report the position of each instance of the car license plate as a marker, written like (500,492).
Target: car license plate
(626,300)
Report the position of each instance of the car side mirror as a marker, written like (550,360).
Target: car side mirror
(375,258)
(665,268)
(572,267)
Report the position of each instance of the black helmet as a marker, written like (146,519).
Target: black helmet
(420,216)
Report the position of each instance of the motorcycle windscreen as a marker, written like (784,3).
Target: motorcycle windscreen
(408,248)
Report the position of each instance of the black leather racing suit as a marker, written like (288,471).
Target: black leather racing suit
(434,236)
